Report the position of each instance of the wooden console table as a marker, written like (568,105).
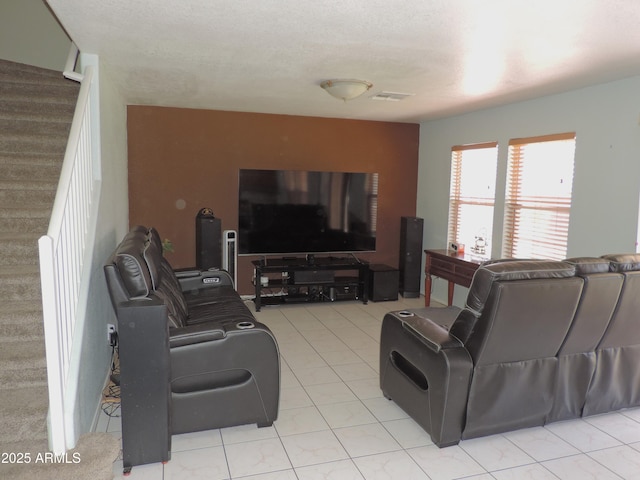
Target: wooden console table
(451,266)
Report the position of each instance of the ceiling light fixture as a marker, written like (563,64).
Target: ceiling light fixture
(346,89)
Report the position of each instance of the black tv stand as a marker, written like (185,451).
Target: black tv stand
(317,279)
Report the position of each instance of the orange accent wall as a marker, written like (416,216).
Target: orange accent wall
(181,160)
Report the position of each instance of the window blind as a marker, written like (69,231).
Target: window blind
(538,196)
(472,193)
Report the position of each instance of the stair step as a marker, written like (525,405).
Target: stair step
(20,142)
(25,110)
(23,377)
(23,73)
(26,172)
(20,283)
(21,320)
(48,94)
(24,414)
(19,249)
(45,159)
(34,127)
(20,220)
(34,194)
(27,354)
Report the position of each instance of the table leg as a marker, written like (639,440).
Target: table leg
(427,290)
(450,293)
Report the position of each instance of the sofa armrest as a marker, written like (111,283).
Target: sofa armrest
(145,373)
(192,279)
(198,333)
(182,273)
(432,335)
(427,372)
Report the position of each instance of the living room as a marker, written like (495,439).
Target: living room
(414,163)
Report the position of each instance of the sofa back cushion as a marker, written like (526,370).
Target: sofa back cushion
(599,298)
(623,262)
(624,328)
(505,271)
(138,270)
(130,262)
(518,310)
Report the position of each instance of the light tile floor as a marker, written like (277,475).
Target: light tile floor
(334,423)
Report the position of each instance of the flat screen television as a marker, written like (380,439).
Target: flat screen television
(301,212)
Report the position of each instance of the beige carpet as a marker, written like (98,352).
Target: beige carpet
(36,109)
(92,459)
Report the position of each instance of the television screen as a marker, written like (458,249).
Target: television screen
(291,211)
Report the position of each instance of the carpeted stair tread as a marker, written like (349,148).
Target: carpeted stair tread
(62,93)
(23,73)
(20,319)
(24,212)
(24,413)
(25,220)
(23,354)
(31,224)
(26,174)
(22,158)
(14,253)
(30,328)
(38,195)
(32,143)
(25,110)
(39,183)
(20,283)
(96,451)
(12,311)
(33,127)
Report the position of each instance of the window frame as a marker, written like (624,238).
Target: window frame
(456,198)
(551,240)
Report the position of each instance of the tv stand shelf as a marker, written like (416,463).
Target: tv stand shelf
(295,280)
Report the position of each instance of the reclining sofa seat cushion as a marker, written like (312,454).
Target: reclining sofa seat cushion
(616,381)
(577,357)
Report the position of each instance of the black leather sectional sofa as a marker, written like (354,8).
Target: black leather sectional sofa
(192,355)
(537,342)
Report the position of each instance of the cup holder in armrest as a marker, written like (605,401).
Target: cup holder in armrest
(405,314)
(244,325)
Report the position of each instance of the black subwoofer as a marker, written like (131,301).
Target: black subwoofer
(383,283)
(410,256)
(208,240)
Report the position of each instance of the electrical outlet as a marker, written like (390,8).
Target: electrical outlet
(111,329)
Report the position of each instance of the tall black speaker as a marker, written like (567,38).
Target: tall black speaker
(208,240)
(410,256)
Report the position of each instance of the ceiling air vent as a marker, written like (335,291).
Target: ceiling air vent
(391,96)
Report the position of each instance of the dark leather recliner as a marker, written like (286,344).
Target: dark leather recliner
(192,355)
(577,356)
(616,380)
(537,342)
(494,369)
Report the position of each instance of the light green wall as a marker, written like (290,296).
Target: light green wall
(30,34)
(606,188)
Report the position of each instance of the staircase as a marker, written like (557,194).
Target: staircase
(36,109)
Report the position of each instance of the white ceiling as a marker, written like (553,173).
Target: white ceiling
(270,56)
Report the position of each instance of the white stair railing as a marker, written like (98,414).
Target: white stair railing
(65,253)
